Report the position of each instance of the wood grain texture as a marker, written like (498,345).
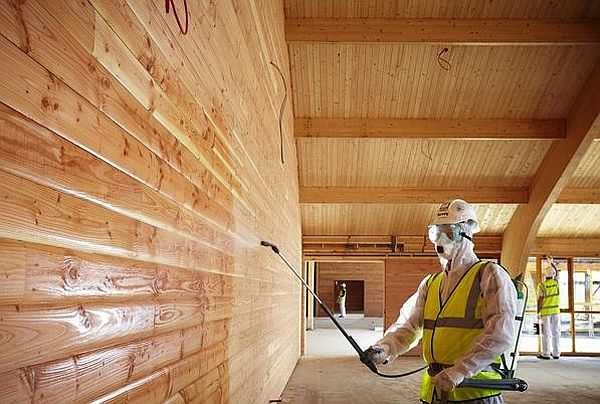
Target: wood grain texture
(32,334)
(571,220)
(369,219)
(580,196)
(418,163)
(397,195)
(484,129)
(533,9)
(35,274)
(447,31)
(38,214)
(567,247)
(89,375)
(586,174)
(29,150)
(150,140)
(405,81)
(139,169)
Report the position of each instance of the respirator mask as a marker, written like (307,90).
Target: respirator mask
(446,237)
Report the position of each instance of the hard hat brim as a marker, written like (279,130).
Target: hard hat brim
(447,220)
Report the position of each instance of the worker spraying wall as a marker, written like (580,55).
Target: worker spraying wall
(468,316)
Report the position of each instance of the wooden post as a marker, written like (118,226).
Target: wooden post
(571,286)
(303,298)
(537,280)
(310,317)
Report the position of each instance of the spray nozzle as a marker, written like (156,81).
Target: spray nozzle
(368,363)
(268,244)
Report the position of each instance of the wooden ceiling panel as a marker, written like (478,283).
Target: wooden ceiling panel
(406,81)
(369,219)
(571,221)
(418,163)
(587,174)
(441,9)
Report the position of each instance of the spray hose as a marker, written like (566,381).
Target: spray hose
(502,384)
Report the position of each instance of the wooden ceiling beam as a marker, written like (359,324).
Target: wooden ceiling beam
(444,31)
(395,195)
(386,245)
(348,247)
(566,247)
(553,175)
(580,196)
(461,129)
(346,239)
(398,195)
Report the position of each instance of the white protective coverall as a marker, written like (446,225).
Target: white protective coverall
(499,317)
(341,300)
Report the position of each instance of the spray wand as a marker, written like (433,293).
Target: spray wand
(361,354)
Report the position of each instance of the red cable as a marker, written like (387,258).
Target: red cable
(169,3)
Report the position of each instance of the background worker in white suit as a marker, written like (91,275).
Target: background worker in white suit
(549,311)
(341,300)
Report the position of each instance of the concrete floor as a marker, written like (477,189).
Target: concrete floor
(330,374)
(351,321)
(329,342)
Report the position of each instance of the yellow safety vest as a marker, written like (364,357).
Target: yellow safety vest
(551,301)
(449,331)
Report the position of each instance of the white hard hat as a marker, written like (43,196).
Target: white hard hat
(550,272)
(343,285)
(456,211)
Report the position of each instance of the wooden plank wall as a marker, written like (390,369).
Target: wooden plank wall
(402,278)
(139,169)
(370,272)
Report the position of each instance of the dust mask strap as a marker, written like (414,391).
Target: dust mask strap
(465,235)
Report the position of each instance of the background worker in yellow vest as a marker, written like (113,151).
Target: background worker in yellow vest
(549,311)
(464,314)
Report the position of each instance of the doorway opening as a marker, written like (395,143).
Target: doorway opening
(355,295)
(364,307)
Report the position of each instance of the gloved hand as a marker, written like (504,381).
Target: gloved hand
(377,354)
(447,379)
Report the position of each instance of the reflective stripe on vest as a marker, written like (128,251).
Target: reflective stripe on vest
(450,329)
(551,301)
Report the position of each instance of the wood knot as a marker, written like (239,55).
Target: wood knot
(84,316)
(109,282)
(71,272)
(150,65)
(45,103)
(167,314)
(105,82)
(159,284)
